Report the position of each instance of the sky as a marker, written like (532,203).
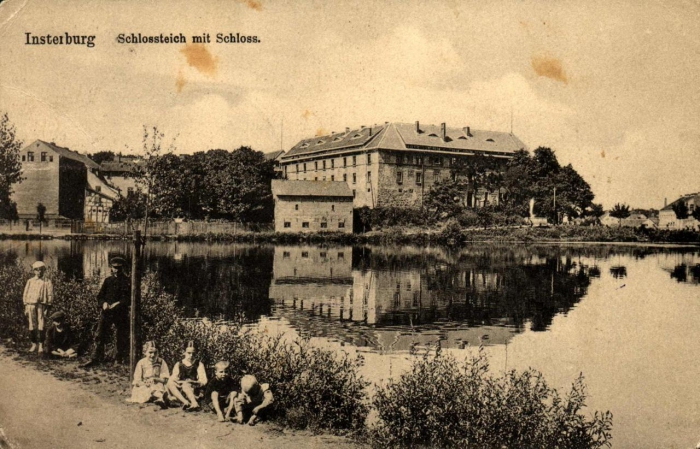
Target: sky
(611,87)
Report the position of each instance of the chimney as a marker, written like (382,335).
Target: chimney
(347,130)
(370,131)
(665,202)
(469,132)
(417,127)
(443,131)
(362,127)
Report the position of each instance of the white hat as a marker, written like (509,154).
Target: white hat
(38,264)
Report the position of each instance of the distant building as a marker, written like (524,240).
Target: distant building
(55,177)
(99,198)
(395,164)
(635,220)
(668,219)
(121,172)
(312,206)
(275,156)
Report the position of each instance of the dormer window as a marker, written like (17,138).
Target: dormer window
(462,137)
(432,135)
(320,142)
(337,139)
(357,136)
(489,140)
(305,145)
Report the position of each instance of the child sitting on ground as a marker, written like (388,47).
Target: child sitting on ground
(59,338)
(189,376)
(37,298)
(252,401)
(220,392)
(150,376)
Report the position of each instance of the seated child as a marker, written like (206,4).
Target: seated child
(220,392)
(252,401)
(189,376)
(59,338)
(150,376)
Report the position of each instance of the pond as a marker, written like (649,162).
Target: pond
(624,316)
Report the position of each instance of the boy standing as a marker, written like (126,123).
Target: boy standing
(37,298)
(221,391)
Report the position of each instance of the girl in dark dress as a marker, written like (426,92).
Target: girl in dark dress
(188,378)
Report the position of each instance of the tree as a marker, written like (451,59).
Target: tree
(102,156)
(40,215)
(10,167)
(620,211)
(130,207)
(680,209)
(696,213)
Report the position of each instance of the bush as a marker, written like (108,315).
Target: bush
(442,403)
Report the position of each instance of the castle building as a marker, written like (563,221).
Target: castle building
(396,164)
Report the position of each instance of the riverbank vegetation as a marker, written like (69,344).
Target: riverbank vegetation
(440,402)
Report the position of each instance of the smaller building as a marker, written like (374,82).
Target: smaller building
(275,157)
(312,206)
(669,220)
(122,173)
(99,198)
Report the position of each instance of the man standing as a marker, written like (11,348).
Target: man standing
(114,300)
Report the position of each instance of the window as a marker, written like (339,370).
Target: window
(437,161)
(369,176)
(30,156)
(315,165)
(419,160)
(323,255)
(341,255)
(436,175)
(43,156)
(353,193)
(296,207)
(286,254)
(399,177)
(332,177)
(129,190)
(323,226)
(345,177)
(324,178)
(332,163)
(419,178)
(341,224)
(24,158)
(305,254)
(354,161)
(50,158)
(287,224)
(399,159)
(354,178)
(304,167)
(297,168)
(332,207)
(369,158)
(408,286)
(345,162)
(304,224)
(324,165)
(315,178)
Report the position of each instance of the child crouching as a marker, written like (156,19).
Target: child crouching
(59,338)
(150,377)
(252,402)
(221,392)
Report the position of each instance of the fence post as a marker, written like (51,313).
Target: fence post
(135,296)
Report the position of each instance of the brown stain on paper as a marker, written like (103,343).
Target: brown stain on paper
(549,67)
(199,57)
(321,132)
(602,154)
(252,4)
(180,81)
(306,114)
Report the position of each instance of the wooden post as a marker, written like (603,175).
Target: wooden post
(135,300)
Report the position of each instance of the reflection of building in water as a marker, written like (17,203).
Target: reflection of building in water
(415,299)
(682,267)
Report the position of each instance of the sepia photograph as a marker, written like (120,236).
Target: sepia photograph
(349,224)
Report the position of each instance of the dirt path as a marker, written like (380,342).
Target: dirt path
(39,410)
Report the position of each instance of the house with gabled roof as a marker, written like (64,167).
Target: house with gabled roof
(55,177)
(396,164)
(312,206)
(668,219)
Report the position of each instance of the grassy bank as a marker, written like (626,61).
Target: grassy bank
(440,402)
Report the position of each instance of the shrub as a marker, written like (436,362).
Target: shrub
(442,403)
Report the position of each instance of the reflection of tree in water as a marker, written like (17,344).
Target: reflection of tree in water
(236,287)
(686,273)
(485,286)
(618,271)
(594,271)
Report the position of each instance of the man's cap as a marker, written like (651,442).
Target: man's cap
(58,316)
(117,261)
(38,264)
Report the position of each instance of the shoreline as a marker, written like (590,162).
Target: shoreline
(449,235)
